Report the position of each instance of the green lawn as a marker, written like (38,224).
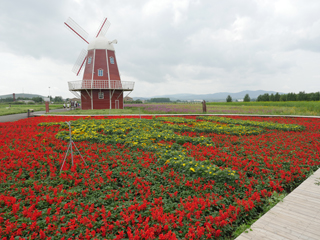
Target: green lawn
(311,108)
(6,109)
(309,104)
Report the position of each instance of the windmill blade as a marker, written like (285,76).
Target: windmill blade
(76,29)
(80,62)
(104,26)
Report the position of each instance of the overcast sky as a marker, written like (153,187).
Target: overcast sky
(165,46)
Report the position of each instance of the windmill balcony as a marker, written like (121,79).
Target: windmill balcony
(100,84)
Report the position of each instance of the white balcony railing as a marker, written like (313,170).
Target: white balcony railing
(100,84)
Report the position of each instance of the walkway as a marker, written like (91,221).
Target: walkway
(16,117)
(191,114)
(297,217)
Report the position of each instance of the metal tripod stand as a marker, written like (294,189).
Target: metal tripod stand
(71,151)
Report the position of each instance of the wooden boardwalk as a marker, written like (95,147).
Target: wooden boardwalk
(297,217)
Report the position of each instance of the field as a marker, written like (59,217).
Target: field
(186,177)
(257,108)
(6,109)
(261,108)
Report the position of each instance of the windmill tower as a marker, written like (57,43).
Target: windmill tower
(101,86)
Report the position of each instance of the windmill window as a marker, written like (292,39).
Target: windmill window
(100,72)
(111,60)
(101,95)
(89,60)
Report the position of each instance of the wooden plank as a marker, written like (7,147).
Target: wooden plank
(243,237)
(297,217)
(265,234)
(298,209)
(289,221)
(283,232)
(302,197)
(305,204)
(300,216)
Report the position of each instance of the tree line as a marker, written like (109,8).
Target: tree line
(160,100)
(56,99)
(245,99)
(301,96)
(10,99)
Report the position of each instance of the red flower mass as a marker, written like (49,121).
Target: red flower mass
(125,193)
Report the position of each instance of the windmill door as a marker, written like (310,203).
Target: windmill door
(117,104)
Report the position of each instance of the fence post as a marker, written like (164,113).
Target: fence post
(204,106)
(47,107)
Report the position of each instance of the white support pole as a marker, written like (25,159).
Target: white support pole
(110,98)
(91,100)
(93,63)
(71,151)
(109,80)
(92,76)
(69,123)
(107,56)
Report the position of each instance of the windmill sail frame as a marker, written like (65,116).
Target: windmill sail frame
(76,29)
(104,26)
(80,62)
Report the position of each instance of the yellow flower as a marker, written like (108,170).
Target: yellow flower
(192,169)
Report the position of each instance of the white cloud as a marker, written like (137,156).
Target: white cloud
(169,46)
(31,75)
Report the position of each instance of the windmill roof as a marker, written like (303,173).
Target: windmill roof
(100,42)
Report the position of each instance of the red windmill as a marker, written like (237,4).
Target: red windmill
(101,87)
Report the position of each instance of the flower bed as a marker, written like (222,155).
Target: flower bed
(150,178)
(268,125)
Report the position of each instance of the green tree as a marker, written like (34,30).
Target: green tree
(259,99)
(302,96)
(229,98)
(272,97)
(58,99)
(160,100)
(37,99)
(277,97)
(246,98)
(23,98)
(283,97)
(291,97)
(265,97)
(9,99)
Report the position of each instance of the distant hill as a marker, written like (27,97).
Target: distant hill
(220,96)
(24,95)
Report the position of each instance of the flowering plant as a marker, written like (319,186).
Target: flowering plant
(148,178)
